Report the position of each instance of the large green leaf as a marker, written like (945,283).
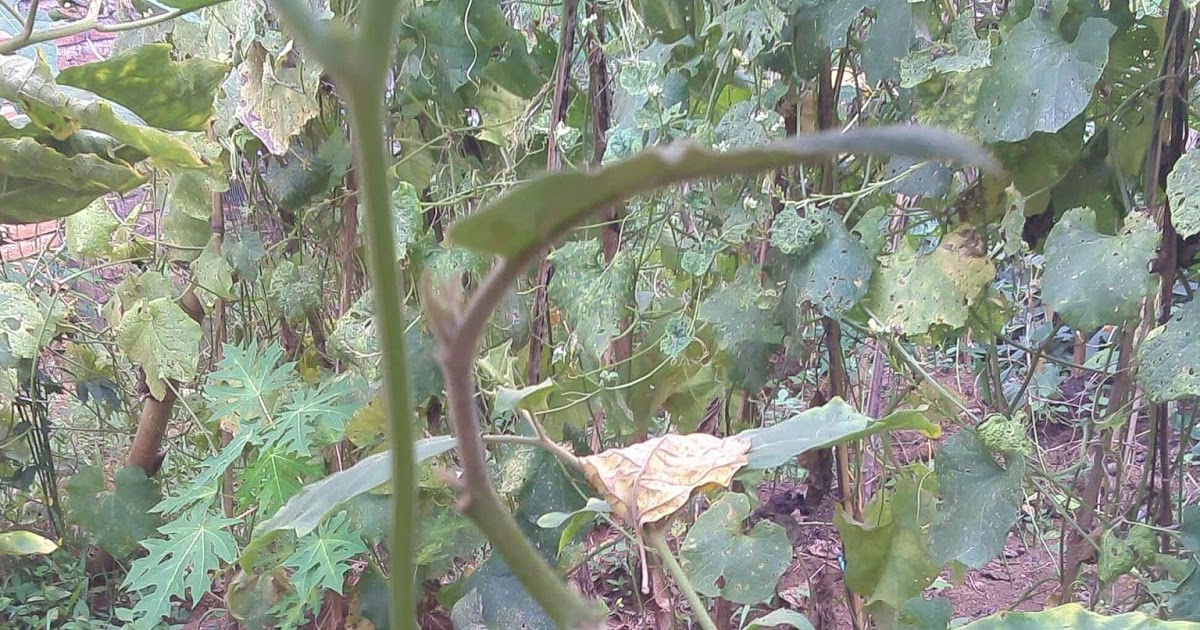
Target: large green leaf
(541,210)
(39,183)
(23,543)
(834,422)
(1169,357)
(1183,189)
(161,338)
(1039,81)
(1093,279)
(980,500)
(887,554)
(834,274)
(165,93)
(119,518)
(1075,617)
(64,111)
(722,561)
(304,511)
(916,294)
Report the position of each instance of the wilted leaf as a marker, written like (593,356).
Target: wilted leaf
(1183,189)
(161,338)
(278,98)
(544,208)
(717,552)
(1093,279)
(1169,357)
(915,294)
(887,554)
(165,93)
(833,423)
(23,543)
(1039,81)
(649,481)
(117,519)
(30,85)
(979,501)
(1074,617)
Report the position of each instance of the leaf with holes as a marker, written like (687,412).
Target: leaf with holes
(1169,357)
(980,501)
(1039,81)
(721,560)
(90,231)
(739,311)
(1183,189)
(161,338)
(834,274)
(917,294)
(1093,279)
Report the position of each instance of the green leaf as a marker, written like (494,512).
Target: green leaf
(964,51)
(1074,617)
(64,111)
(916,294)
(980,501)
(161,338)
(165,93)
(1183,190)
(749,563)
(407,220)
(887,555)
(677,336)
(119,518)
(308,411)
(195,546)
(540,211)
(737,311)
(188,5)
(90,231)
(781,617)
(834,274)
(1039,81)
(1169,357)
(594,316)
(191,190)
(321,560)
(23,327)
(295,289)
(247,382)
(43,183)
(274,477)
(212,273)
(304,511)
(23,543)
(1093,279)
(244,251)
(532,398)
(925,614)
(833,423)
(792,233)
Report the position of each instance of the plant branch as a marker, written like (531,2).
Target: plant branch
(658,542)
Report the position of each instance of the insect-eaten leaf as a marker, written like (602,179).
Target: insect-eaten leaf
(722,561)
(649,481)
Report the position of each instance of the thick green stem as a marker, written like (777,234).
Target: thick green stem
(658,542)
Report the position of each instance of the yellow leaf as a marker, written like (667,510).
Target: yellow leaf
(648,482)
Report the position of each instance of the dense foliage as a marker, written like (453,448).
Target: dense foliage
(929,353)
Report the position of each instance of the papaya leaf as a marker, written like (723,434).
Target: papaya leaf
(161,338)
(750,564)
(1039,81)
(165,93)
(273,477)
(1074,617)
(979,501)
(321,561)
(1093,279)
(195,546)
(833,423)
(540,211)
(119,518)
